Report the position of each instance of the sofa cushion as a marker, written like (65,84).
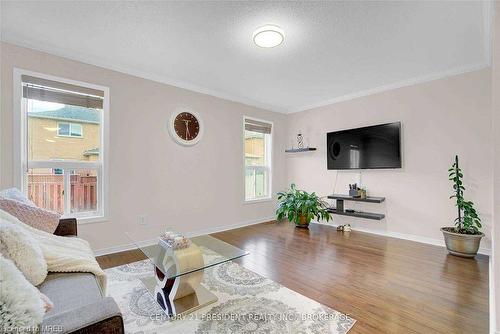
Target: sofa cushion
(70,290)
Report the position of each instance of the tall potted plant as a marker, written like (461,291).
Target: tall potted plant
(300,207)
(465,237)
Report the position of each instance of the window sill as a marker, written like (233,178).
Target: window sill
(258,200)
(89,220)
(66,136)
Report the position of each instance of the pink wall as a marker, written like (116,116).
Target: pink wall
(201,188)
(496,183)
(191,188)
(439,119)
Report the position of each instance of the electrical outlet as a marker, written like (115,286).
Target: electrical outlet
(141,220)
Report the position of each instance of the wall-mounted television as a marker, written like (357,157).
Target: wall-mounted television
(370,147)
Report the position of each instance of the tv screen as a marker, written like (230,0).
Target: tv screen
(371,147)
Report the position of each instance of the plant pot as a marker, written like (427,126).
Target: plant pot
(303,222)
(464,245)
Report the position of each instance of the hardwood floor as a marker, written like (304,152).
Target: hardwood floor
(388,285)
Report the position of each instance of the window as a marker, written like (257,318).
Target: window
(69,130)
(62,170)
(257,155)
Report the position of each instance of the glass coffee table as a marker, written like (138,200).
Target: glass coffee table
(175,282)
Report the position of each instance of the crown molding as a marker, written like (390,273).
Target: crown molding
(400,84)
(96,61)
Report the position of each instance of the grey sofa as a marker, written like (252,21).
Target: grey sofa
(79,303)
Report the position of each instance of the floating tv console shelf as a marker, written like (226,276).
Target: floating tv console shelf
(297,150)
(339,209)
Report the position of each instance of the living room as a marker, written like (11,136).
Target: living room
(189,150)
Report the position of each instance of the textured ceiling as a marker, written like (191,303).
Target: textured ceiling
(332,50)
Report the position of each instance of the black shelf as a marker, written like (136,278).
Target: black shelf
(358,214)
(297,150)
(357,199)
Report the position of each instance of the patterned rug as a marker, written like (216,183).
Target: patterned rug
(248,303)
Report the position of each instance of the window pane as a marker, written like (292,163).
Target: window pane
(46,189)
(76,130)
(249,184)
(47,119)
(260,183)
(255,183)
(254,148)
(83,190)
(63,129)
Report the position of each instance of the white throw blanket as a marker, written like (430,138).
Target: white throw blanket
(63,254)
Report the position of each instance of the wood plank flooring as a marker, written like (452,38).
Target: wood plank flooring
(388,285)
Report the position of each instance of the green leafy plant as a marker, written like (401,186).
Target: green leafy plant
(295,203)
(467,222)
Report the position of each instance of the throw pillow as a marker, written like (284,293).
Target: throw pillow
(14,193)
(33,216)
(21,307)
(17,244)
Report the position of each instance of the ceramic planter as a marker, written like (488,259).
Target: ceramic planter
(464,245)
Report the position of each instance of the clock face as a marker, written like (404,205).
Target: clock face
(186,127)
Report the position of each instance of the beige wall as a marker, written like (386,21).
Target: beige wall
(45,144)
(189,188)
(439,119)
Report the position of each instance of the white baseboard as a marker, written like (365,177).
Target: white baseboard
(114,249)
(126,247)
(404,236)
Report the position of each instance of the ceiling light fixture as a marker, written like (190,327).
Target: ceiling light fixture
(268,36)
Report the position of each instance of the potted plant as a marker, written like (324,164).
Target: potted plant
(300,207)
(464,238)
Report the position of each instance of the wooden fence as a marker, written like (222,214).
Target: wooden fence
(47,191)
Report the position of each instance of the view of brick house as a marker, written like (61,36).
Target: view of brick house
(69,133)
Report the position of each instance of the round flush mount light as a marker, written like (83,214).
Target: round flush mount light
(268,36)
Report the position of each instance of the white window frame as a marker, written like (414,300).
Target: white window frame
(70,132)
(269,164)
(20,163)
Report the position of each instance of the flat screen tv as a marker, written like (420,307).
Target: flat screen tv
(371,147)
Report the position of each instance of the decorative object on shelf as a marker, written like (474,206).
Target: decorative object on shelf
(463,239)
(300,140)
(362,193)
(353,190)
(300,207)
(174,240)
(186,127)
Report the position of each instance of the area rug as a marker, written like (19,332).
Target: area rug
(247,303)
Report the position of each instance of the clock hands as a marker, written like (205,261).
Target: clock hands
(186,121)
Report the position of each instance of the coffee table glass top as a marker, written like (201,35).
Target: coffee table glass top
(215,251)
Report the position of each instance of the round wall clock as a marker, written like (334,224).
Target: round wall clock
(186,127)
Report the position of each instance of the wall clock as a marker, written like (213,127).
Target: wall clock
(186,127)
